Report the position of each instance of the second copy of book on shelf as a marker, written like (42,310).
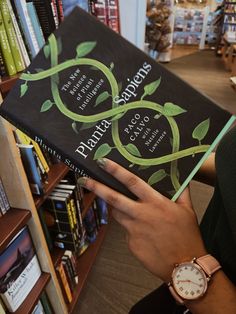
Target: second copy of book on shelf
(19,271)
(91,94)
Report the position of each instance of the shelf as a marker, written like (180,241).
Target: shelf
(56,173)
(85,263)
(11,223)
(32,298)
(7,83)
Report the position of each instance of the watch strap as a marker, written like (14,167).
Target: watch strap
(208,263)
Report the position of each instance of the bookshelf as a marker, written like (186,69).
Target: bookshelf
(24,211)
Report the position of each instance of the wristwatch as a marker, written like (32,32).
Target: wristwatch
(190,279)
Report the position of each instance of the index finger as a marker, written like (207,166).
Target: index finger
(133,183)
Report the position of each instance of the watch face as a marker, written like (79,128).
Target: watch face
(189,281)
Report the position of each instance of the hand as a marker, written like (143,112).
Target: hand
(160,232)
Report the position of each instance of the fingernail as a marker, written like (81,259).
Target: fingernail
(82,181)
(101,162)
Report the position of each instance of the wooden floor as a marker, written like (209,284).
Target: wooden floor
(117,279)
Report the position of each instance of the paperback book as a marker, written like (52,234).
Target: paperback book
(20,270)
(92,94)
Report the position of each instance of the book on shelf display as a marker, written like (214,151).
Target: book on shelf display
(4,202)
(11,35)
(19,36)
(99,96)
(19,270)
(6,50)
(26,26)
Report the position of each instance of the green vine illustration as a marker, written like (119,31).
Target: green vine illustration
(130,152)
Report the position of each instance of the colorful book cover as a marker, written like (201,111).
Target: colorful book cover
(69,5)
(11,35)
(19,270)
(96,95)
(5,49)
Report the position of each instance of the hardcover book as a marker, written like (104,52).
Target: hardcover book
(19,270)
(92,94)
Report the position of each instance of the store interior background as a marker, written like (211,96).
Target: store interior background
(117,279)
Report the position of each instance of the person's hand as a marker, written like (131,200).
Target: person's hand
(160,233)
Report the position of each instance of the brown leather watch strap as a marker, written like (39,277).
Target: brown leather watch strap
(208,263)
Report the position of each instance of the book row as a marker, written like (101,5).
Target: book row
(67,223)
(20,270)
(25,26)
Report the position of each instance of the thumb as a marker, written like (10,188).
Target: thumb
(185,198)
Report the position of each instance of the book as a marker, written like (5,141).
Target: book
(64,283)
(11,35)
(99,96)
(20,270)
(19,37)
(6,50)
(4,202)
(38,309)
(27,27)
(31,167)
(46,304)
(69,5)
(113,16)
(45,15)
(2,308)
(35,24)
(98,8)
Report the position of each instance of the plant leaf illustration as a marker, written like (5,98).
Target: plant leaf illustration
(112,66)
(87,125)
(151,88)
(102,97)
(172,110)
(46,50)
(132,149)
(118,116)
(23,89)
(85,48)
(157,116)
(119,86)
(38,70)
(74,127)
(46,105)
(157,176)
(143,167)
(102,151)
(201,130)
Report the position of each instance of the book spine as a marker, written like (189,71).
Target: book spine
(6,50)
(31,169)
(3,71)
(113,16)
(19,37)
(69,273)
(6,205)
(27,27)
(46,304)
(55,13)
(65,285)
(35,24)
(60,10)
(44,11)
(1,206)
(11,35)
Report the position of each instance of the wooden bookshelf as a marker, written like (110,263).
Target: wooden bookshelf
(88,199)
(7,83)
(56,173)
(31,300)
(11,223)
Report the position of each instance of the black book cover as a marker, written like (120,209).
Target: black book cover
(90,94)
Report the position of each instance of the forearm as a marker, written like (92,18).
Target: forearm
(219,299)
(207,172)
